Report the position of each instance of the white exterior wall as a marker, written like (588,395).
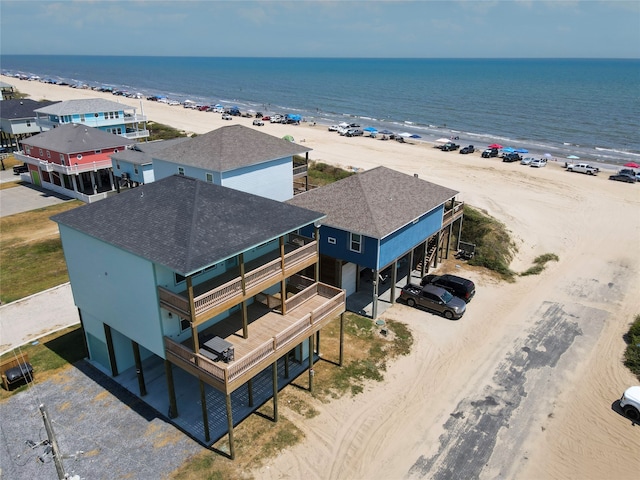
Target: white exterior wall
(272,180)
(114,287)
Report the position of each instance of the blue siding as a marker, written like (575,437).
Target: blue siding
(410,236)
(341,249)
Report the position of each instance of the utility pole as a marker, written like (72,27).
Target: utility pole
(57,457)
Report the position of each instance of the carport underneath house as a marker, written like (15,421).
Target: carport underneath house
(378,223)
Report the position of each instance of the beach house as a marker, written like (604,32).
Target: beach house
(18,121)
(192,294)
(238,157)
(134,166)
(380,223)
(107,115)
(73,160)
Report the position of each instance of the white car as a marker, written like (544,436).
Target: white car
(226,116)
(526,161)
(333,128)
(630,403)
(258,123)
(538,163)
(582,168)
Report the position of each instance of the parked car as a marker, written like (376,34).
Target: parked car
(490,152)
(511,157)
(630,403)
(582,168)
(354,132)
(633,173)
(460,287)
(620,177)
(449,147)
(527,160)
(18,169)
(469,149)
(258,123)
(333,128)
(539,163)
(435,299)
(266,118)
(226,116)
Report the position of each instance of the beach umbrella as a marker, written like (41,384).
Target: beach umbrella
(508,150)
(386,132)
(493,145)
(573,157)
(405,134)
(288,138)
(415,136)
(343,124)
(370,129)
(632,165)
(548,155)
(521,150)
(444,140)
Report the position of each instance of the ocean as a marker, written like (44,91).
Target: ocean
(589,108)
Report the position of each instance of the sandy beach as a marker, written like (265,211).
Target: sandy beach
(559,421)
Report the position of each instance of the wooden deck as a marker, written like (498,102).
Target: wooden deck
(271,335)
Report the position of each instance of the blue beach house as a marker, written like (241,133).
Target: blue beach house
(107,115)
(237,157)
(378,220)
(186,288)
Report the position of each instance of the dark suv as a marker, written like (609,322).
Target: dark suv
(458,286)
(490,152)
(511,157)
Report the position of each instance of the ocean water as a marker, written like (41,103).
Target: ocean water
(584,107)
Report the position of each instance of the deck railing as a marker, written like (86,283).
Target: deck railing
(453,214)
(271,347)
(233,288)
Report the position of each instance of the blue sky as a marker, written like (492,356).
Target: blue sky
(430,29)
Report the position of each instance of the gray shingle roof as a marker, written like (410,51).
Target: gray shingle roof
(231,147)
(142,153)
(21,108)
(89,105)
(75,138)
(374,203)
(186,224)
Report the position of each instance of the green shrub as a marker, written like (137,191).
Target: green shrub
(632,353)
(539,264)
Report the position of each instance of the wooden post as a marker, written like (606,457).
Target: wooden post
(318,342)
(394,279)
(311,372)
(316,234)
(250,391)
(374,312)
(449,230)
(232,452)
(283,296)
(274,368)
(111,350)
(459,233)
(173,405)
(245,320)
(424,258)
(205,414)
(192,314)
(139,372)
(286,365)
(341,339)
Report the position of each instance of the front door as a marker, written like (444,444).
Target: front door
(35,177)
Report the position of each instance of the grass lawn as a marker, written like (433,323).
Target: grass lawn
(31,257)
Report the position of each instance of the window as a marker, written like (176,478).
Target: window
(40,152)
(27,149)
(79,156)
(118,164)
(48,154)
(331,240)
(210,177)
(97,151)
(180,171)
(62,158)
(28,123)
(184,325)
(82,117)
(355,242)
(96,115)
(135,168)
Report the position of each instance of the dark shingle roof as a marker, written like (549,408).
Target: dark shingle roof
(375,203)
(74,138)
(142,153)
(88,105)
(21,108)
(231,147)
(186,224)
